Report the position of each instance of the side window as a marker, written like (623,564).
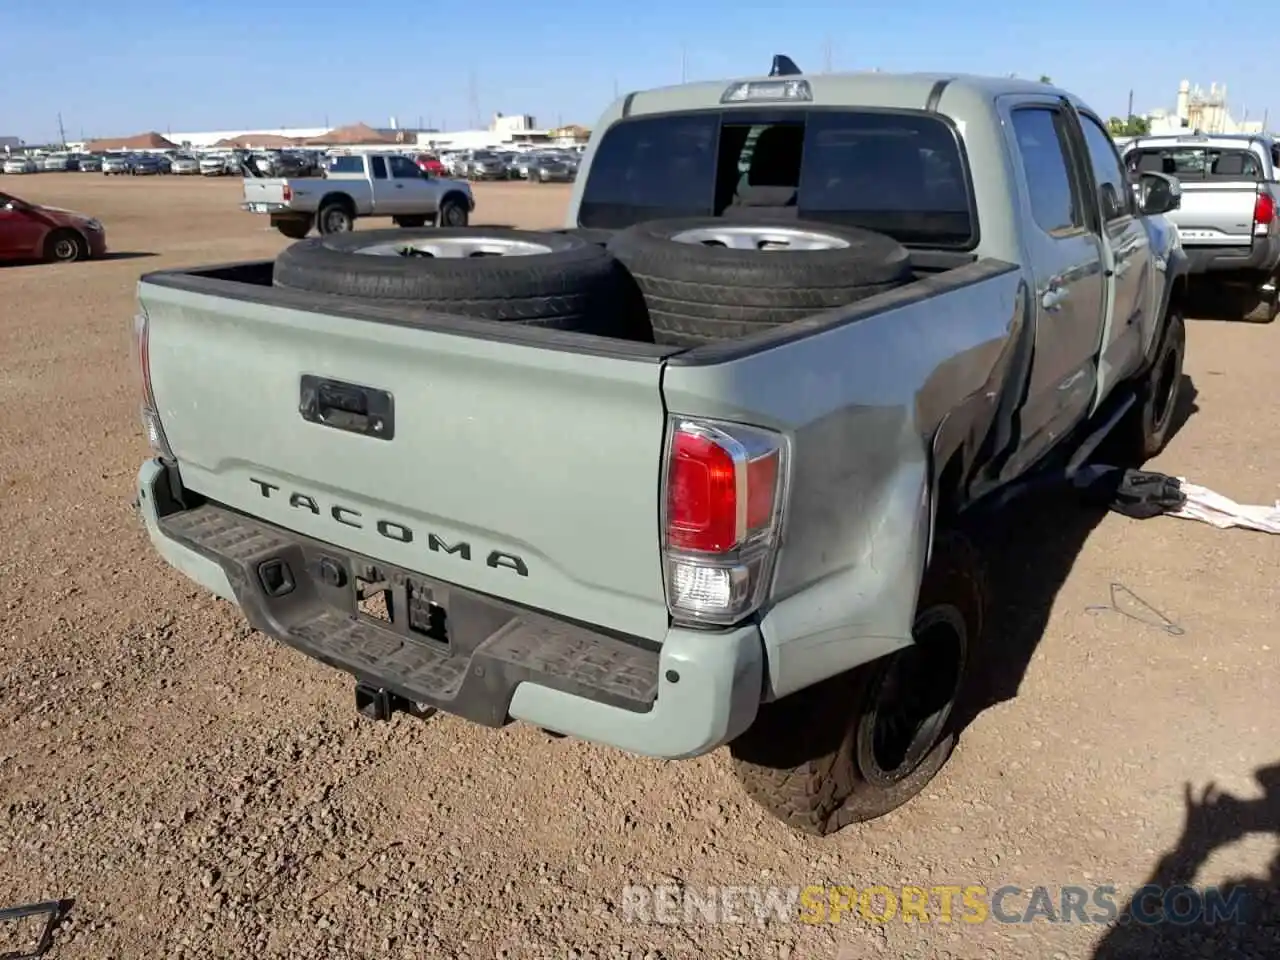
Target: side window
(1115,199)
(378,167)
(1042,145)
(402,168)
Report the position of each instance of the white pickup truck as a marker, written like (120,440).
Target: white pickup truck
(359,185)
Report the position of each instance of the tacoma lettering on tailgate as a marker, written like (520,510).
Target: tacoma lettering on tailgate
(391,529)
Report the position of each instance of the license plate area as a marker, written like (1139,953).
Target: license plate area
(401,602)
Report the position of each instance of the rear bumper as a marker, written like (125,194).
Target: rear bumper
(693,693)
(1262,257)
(271,208)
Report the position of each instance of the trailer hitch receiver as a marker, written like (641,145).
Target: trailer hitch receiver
(379,703)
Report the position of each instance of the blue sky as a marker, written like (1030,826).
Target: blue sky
(118,67)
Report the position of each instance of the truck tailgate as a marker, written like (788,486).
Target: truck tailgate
(1216,214)
(264,190)
(530,474)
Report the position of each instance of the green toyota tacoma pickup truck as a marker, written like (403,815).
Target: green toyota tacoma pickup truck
(692,471)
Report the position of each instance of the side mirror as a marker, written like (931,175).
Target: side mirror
(1158,193)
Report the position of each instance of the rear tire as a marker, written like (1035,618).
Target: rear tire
(1258,307)
(698,290)
(833,754)
(573,285)
(294,229)
(335,217)
(1149,424)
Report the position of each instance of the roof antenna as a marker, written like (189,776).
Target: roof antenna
(784,66)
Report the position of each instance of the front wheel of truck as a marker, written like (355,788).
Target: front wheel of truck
(856,746)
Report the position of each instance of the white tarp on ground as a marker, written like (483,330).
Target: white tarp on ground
(1223,512)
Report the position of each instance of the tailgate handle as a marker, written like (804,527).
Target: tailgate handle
(347,406)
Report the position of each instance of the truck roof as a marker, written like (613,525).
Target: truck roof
(903,90)
(1202,139)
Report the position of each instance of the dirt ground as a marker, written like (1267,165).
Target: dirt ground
(201,791)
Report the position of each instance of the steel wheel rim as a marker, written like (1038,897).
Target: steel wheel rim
(65,249)
(336,221)
(761,237)
(926,680)
(457,248)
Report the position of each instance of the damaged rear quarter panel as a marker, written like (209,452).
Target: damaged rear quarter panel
(862,402)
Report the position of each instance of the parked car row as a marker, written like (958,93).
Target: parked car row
(281,163)
(537,166)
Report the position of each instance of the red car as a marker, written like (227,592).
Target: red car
(29,231)
(429,164)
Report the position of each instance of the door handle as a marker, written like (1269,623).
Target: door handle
(1053,298)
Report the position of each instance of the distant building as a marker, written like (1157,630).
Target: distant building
(209,138)
(503,130)
(10,143)
(1197,109)
(569,135)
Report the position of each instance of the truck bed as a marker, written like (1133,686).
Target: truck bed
(539,451)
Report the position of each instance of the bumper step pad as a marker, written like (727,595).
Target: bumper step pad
(491,647)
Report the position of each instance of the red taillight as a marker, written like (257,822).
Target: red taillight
(1264,209)
(725,487)
(702,495)
(286,193)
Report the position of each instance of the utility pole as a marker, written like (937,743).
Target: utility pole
(1129,117)
(1265,114)
(473,100)
(62,134)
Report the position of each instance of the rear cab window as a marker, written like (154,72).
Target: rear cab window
(1196,163)
(346,165)
(901,173)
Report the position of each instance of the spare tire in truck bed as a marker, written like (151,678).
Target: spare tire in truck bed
(710,279)
(491,273)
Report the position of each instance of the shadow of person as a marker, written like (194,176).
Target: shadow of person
(1029,547)
(1238,918)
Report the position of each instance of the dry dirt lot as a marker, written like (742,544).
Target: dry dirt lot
(201,791)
